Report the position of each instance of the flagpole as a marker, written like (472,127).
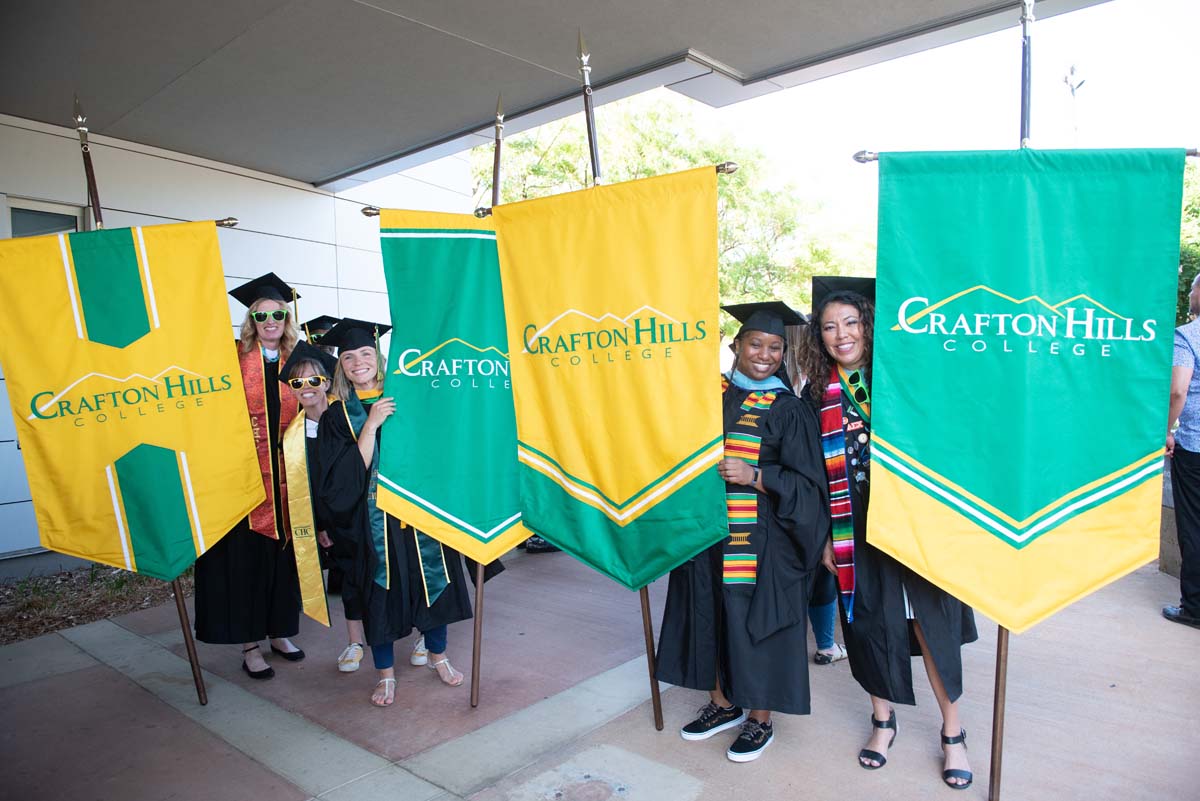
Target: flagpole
(477,645)
(1001,692)
(86,150)
(589,115)
(93,193)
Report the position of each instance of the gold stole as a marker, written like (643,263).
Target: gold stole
(303,526)
(262,517)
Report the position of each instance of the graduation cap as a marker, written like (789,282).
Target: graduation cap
(825,285)
(769,317)
(317,327)
(349,334)
(265,287)
(304,352)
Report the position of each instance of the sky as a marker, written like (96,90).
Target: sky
(1137,59)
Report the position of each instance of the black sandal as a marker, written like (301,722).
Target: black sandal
(956,773)
(890,723)
(265,673)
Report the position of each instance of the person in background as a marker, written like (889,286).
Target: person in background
(889,613)
(734,622)
(318,327)
(246,584)
(1183,448)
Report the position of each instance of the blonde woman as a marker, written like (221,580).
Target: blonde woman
(246,585)
(403,578)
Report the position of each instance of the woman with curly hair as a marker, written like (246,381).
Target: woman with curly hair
(246,584)
(889,613)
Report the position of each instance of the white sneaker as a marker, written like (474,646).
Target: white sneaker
(349,661)
(420,655)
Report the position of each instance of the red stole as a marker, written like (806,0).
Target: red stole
(262,517)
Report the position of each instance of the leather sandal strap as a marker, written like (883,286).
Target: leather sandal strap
(890,723)
(875,755)
(961,737)
(955,773)
(251,648)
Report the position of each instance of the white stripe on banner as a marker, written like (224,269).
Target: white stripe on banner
(428,235)
(1148,469)
(112,490)
(486,535)
(595,500)
(62,245)
(146,272)
(187,482)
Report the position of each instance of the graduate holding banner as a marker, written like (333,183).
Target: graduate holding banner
(247,588)
(404,578)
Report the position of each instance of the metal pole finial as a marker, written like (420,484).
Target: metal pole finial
(499,109)
(370,211)
(227,222)
(482,212)
(727,168)
(863,156)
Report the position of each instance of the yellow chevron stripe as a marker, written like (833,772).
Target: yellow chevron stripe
(982,504)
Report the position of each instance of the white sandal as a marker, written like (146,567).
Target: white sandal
(389,692)
(456,677)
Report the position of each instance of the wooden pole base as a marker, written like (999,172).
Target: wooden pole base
(998,713)
(189,643)
(478,644)
(648,630)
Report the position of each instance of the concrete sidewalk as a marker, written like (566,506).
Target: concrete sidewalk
(1102,705)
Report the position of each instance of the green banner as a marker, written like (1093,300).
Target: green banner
(1023,331)
(448,456)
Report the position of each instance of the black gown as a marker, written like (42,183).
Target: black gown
(755,635)
(880,642)
(345,490)
(246,585)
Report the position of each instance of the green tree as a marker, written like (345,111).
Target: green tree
(765,252)
(1189,240)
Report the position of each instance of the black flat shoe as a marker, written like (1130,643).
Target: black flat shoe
(890,723)
(955,773)
(265,673)
(291,656)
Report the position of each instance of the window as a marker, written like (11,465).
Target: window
(35,218)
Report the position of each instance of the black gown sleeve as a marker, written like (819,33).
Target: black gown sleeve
(797,483)
(341,476)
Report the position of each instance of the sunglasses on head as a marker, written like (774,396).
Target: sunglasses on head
(308,380)
(279,315)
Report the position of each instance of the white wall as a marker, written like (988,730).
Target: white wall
(317,241)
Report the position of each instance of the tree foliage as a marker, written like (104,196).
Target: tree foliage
(1189,244)
(765,252)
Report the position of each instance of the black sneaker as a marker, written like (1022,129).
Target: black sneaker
(753,740)
(712,719)
(1176,614)
(536,544)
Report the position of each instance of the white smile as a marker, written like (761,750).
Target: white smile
(308,395)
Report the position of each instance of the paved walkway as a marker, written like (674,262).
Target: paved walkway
(1103,703)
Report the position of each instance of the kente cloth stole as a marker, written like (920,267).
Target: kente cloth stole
(262,517)
(834,420)
(303,523)
(434,573)
(744,441)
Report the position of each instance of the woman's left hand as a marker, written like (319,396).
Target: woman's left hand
(735,471)
(323,540)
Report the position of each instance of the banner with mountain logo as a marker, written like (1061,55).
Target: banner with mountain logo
(448,458)
(126,393)
(611,300)
(1023,335)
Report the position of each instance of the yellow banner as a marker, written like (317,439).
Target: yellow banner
(126,393)
(610,300)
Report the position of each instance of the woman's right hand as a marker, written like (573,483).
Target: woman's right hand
(827,557)
(381,410)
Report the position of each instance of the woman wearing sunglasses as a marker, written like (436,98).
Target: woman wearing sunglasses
(246,584)
(889,613)
(734,622)
(404,578)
